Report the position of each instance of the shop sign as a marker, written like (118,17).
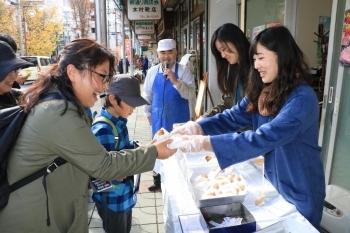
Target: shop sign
(144,9)
(144,37)
(144,27)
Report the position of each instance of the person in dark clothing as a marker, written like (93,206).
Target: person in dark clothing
(10,41)
(145,66)
(9,66)
(120,66)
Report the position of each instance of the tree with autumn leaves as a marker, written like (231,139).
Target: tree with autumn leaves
(81,15)
(8,20)
(41,32)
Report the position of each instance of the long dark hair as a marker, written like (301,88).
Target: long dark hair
(229,76)
(80,53)
(292,67)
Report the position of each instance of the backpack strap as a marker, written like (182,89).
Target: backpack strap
(43,172)
(110,123)
(46,170)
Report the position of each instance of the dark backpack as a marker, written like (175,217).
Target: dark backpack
(11,122)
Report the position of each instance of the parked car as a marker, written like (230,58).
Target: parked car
(40,66)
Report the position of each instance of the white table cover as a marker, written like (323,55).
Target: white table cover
(178,200)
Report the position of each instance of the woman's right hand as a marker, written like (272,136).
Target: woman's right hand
(163,151)
(190,128)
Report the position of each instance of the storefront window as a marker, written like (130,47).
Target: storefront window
(262,14)
(197,3)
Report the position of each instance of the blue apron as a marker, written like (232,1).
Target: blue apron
(168,107)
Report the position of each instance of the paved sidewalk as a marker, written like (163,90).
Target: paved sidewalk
(147,215)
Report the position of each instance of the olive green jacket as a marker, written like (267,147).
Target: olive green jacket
(45,135)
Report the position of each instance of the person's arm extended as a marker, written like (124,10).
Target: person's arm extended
(70,137)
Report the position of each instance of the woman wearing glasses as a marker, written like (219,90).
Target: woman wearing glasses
(61,127)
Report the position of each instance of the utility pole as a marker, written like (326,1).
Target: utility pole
(101,21)
(123,42)
(131,50)
(20,26)
(19,17)
(25,35)
(116,28)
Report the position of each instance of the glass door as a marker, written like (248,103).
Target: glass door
(262,14)
(335,122)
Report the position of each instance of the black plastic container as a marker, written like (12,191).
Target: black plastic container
(230,210)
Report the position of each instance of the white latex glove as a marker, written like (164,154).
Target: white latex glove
(196,143)
(190,128)
(199,119)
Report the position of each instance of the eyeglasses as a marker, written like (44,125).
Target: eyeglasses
(105,77)
(13,73)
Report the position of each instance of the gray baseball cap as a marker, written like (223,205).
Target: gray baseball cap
(128,90)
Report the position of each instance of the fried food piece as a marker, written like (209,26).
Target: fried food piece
(208,158)
(259,160)
(231,177)
(237,190)
(160,132)
(259,201)
(204,175)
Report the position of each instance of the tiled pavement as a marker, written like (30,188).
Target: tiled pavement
(147,215)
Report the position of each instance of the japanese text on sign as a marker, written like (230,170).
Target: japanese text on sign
(144,27)
(144,9)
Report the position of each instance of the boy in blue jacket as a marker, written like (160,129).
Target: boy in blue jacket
(115,208)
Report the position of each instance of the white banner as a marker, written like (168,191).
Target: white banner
(144,37)
(144,9)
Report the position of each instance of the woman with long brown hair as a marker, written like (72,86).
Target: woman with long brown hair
(230,49)
(283,110)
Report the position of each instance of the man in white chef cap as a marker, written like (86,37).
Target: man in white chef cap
(169,88)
